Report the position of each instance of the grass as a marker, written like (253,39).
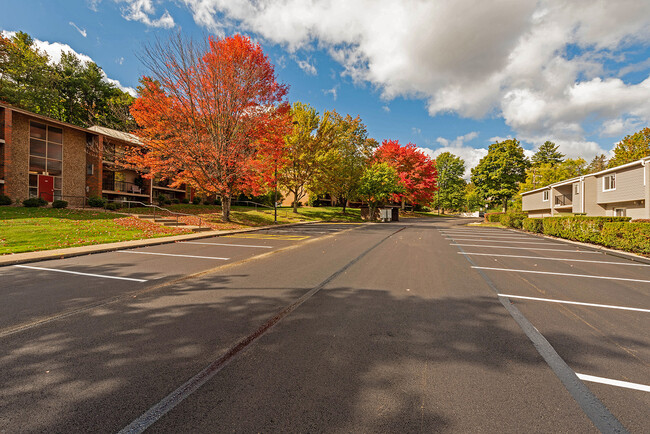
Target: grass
(32,229)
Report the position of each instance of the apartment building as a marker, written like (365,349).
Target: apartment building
(44,157)
(619,191)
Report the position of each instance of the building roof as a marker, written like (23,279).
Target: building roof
(642,161)
(43,117)
(115,134)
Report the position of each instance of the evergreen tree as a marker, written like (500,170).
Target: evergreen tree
(597,164)
(547,154)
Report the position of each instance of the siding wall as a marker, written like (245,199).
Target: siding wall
(577,197)
(533,201)
(590,192)
(629,186)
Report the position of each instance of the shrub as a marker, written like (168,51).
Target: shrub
(578,228)
(168,201)
(161,199)
(533,225)
(60,204)
(185,201)
(208,202)
(512,219)
(96,202)
(641,221)
(493,217)
(633,237)
(4,200)
(34,202)
(196,201)
(113,206)
(175,201)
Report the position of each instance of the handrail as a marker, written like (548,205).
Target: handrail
(154,207)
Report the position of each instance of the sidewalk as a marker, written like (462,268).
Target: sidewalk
(43,255)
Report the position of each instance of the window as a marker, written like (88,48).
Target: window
(45,156)
(576,188)
(619,212)
(609,182)
(545,196)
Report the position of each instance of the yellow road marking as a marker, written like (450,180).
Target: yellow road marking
(269,237)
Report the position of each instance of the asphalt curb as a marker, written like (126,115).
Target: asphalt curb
(70,252)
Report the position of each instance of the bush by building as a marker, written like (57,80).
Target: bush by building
(34,202)
(96,202)
(4,200)
(113,206)
(60,204)
(535,225)
(493,217)
(632,236)
(578,228)
(512,219)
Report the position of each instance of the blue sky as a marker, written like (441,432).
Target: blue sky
(443,74)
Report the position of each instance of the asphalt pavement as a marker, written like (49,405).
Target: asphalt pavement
(424,325)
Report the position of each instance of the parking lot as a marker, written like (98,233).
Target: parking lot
(583,302)
(48,290)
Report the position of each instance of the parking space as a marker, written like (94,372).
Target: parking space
(33,292)
(593,308)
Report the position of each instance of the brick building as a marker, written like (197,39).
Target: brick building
(41,156)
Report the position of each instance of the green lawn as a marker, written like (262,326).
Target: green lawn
(31,229)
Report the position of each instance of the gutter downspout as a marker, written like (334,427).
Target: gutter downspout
(582,191)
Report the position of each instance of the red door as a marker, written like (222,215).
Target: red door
(46,187)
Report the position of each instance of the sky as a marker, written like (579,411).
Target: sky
(446,75)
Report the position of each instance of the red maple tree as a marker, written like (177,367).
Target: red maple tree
(210,117)
(416,170)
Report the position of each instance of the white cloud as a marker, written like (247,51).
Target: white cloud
(385,108)
(54,50)
(540,64)
(333,91)
(307,67)
(416,131)
(141,10)
(119,61)
(457,146)
(82,32)
(93,5)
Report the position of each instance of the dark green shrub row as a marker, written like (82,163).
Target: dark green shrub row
(34,202)
(512,219)
(4,200)
(113,206)
(578,228)
(632,237)
(533,225)
(493,217)
(60,204)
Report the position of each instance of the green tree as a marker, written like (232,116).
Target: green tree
(498,174)
(378,184)
(473,201)
(547,154)
(451,186)
(545,174)
(631,148)
(597,164)
(311,139)
(26,76)
(342,165)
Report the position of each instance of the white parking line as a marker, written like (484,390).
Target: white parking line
(556,259)
(500,241)
(80,274)
(625,384)
(485,235)
(550,300)
(563,274)
(524,248)
(169,254)
(224,244)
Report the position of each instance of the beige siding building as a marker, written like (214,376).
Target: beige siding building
(620,191)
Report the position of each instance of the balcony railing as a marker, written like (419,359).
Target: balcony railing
(563,200)
(124,187)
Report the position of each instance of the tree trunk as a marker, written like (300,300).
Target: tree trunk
(345,202)
(403,204)
(295,203)
(225,208)
(505,205)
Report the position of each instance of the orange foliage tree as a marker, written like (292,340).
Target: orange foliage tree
(211,117)
(416,171)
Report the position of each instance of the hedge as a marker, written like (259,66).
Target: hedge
(533,225)
(34,202)
(60,204)
(493,217)
(4,200)
(512,219)
(578,228)
(633,237)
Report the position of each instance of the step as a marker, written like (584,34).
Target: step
(198,229)
(173,223)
